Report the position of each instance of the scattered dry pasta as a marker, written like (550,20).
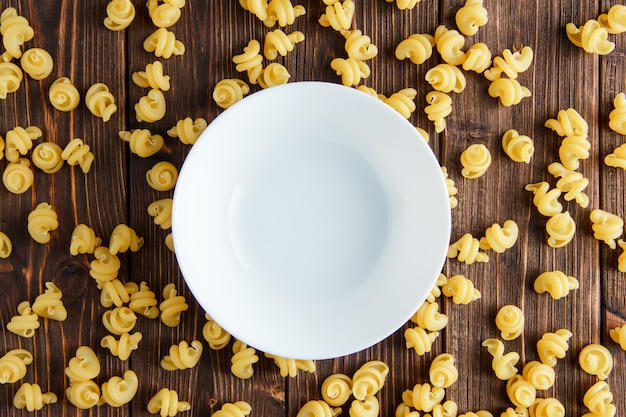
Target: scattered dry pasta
(316,408)
(449,44)
(278,42)
(120,14)
(161,211)
(539,374)
(596,360)
(162,176)
(467,250)
(83,366)
(19,141)
(164,44)
(152,77)
(29,396)
(475,160)
(591,37)
(460,289)
(182,356)
(49,304)
(142,142)
(119,391)
(521,393)
(16,31)
(510,63)
(477,58)
(100,101)
(510,322)
(10,78)
(546,200)
(367,407)
(83,394)
(289,367)
(561,229)
(500,238)
(214,334)
(503,365)
(598,399)
(188,130)
(124,238)
(236,409)
(617,117)
(446,78)
(166,403)
(417,47)
(442,372)
(144,302)
(250,61)
(272,75)
(41,221)
(63,95)
(18,176)
(369,379)
(120,320)
(229,91)
(429,318)
(358,45)
(614,21)
(452,190)
(509,91)
(13,365)
(83,240)
(6,247)
(105,266)
(163,14)
(115,292)
(621,260)
(402,101)
(424,398)
(520,148)
(606,226)
(242,360)
(553,346)
(151,107)
(556,283)
(122,347)
(617,158)
(438,108)
(618,335)
(338,15)
(572,183)
(547,407)
(351,70)
(471,16)
(282,12)
(37,63)
(419,339)
(172,306)
(47,157)
(336,389)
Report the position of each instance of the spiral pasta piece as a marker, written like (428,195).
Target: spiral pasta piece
(83,240)
(539,374)
(105,266)
(338,15)
(598,399)
(369,379)
(572,150)
(561,229)
(471,16)
(336,389)
(242,360)
(144,302)
(161,211)
(404,410)
(162,176)
(278,42)
(49,304)
(369,407)
(500,238)
(572,183)
(520,392)
(568,123)
(37,63)
(188,130)
(124,238)
(63,95)
(556,283)
(509,91)
(446,78)
(123,346)
(182,356)
(236,409)
(402,101)
(438,108)
(47,157)
(29,396)
(18,176)
(316,408)
(425,398)
(13,365)
(510,322)
(477,58)
(519,148)
(151,107)
(115,292)
(544,199)
(172,306)
(429,318)
(10,78)
(250,61)
(163,15)
(83,366)
(41,221)
(617,158)
(617,117)
(282,12)
(460,289)
(229,91)
(419,339)
(15,30)
(449,43)
(120,320)
(450,186)
(163,44)
(467,250)
(83,394)
(289,367)
(618,335)
(417,47)
(256,7)
(118,391)
(475,160)
(120,14)
(621,260)
(19,141)
(350,70)
(546,407)
(100,101)
(166,403)
(510,63)
(272,75)
(591,37)
(606,226)
(152,77)
(442,372)
(436,290)
(142,142)
(596,360)
(553,346)
(447,409)
(503,365)
(214,334)
(358,45)
(6,247)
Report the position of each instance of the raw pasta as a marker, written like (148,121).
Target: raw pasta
(152,77)
(402,101)
(460,289)
(438,108)
(446,78)
(124,238)
(419,339)
(475,160)
(315,408)
(572,149)
(546,407)
(278,42)
(336,389)
(556,283)
(100,101)
(617,158)
(18,176)
(115,292)
(15,30)
(289,367)
(166,403)
(509,91)
(13,365)
(242,360)
(503,365)
(369,379)
(510,322)
(591,37)
(500,238)
(467,250)
(510,64)
(83,240)
(546,200)
(256,7)
(83,394)
(29,396)
(425,398)
(63,95)
(47,157)
(229,91)
(338,15)
(366,408)
(122,347)
(429,318)
(521,393)
(41,221)
(161,210)
(614,21)
(477,58)
(351,70)
(282,12)
(164,44)
(572,183)
(272,75)
(561,229)
(105,266)
(10,78)
(471,16)
(596,360)
(143,301)
(117,391)
(568,123)
(120,320)
(49,305)
(598,399)
(83,366)
(553,346)
(236,409)
(37,63)
(606,226)
(172,306)
(436,291)
(151,107)
(163,15)
(404,4)
(621,260)
(618,335)
(6,247)
(539,374)
(188,130)
(442,372)
(417,47)
(19,141)
(452,190)
(162,176)
(142,142)
(358,45)
(250,61)
(214,334)
(617,117)
(449,43)
(520,148)
(182,356)
(120,14)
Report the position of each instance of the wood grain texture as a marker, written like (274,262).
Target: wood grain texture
(116,191)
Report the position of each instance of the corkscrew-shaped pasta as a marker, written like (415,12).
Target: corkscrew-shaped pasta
(572,183)
(144,302)
(19,141)
(510,322)
(436,290)
(568,123)
(151,107)
(553,346)
(351,70)
(6,247)
(419,339)
(561,229)
(503,365)
(37,63)
(10,78)
(316,408)
(546,200)
(358,45)
(278,42)
(509,91)
(336,389)
(122,347)
(29,396)
(172,306)
(461,290)
(164,44)
(250,61)
(510,64)
(556,283)
(606,226)
(338,15)
(242,360)
(18,177)
(520,148)
(13,365)
(182,356)
(617,158)
(402,101)
(449,409)
(166,403)
(229,91)
(161,210)
(115,292)
(591,37)
(475,160)
(83,240)
(83,366)
(214,334)
(477,58)
(417,47)
(124,238)
(369,379)
(471,16)
(100,101)
(63,95)
(47,157)
(452,190)
(256,7)
(152,77)
(614,21)
(366,408)
(621,260)
(105,266)
(446,78)
(442,372)
(118,391)
(188,130)
(438,108)
(120,320)
(272,75)
(15,30)
(598,399)
(120,14)
(425,398)
(163,15)
(429,318)
(162,176)
(282,12)
(572,150)
(521,393)
(500,238)
(236,409)
(617,117)
(41,221)
(539,374)
(83,394)
(618,335)
(546,407)
(449,43)
(289,367)
(142,142)
(49,304)
(467,250)
(596,360)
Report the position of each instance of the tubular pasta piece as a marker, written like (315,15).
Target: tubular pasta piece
(510,64)
(152,77)
(10,78)
(316,408)
(442,372)
(47,157)
(449,44)
(417,47)
(100,101)
(250,61)
(477,58)
(438,108)
(236,409)
(460,289)
(617,158)
(166,403)
(591,37)
(402,101)
(289,367)
(561,229)
(83,394)
(182,356)
(161,210)
(214,334)
(83,240)
(83,366)
(29,396)
(278,42)
(163,15)
(500,238)
(596,360)
(520,392)
(229,91)
(172,306)
(509,91)
(164,44)
(124,238)
(151,107)
(358,45)
(467,250)
(143,301)
(475,159)
(142,142)
(606,226)
(429,318)
(120,320)
(420,340)
(598,399)
(242,360)
(272,75)
(338,15)
(446,78)
(510,322)
(18,177)
(120,14)
(41,221)
(503,365)
(19,141)
(49,304)
(282,12)
(6,247)
(188,130)
(15,30)
(539,374)
(336,389)
(520,148)
(553,346)
(350,70)
(105,266)
(37,63)
(63,95)
(425,398)
(471,16)
(544,199)
(556,283)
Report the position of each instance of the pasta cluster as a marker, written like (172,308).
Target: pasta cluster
(13,365)
(338,15)
(41,221)
(606,226)
(119,391)
(29,396)
(120,14)
(503,365)
(520,148)
(596,360)
(572,183)
(182,356)
(83,392)
(289,367)
(270,13)
(214,334)
(19,141)
(475,160)
(172,306)
(142,142)
(166,403)
(242,360)
(510,322)
(556,283)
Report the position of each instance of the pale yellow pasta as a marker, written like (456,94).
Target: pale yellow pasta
(188,130)
(289,367)
(477,58)
(2,144)
(450,186)
(461,290)
(614,21)
(404,4)
(115,292)
(100,101)
(163,44)
(539,374)
(214,334)
(83,366)
(63,95)
(336,389)
(500,238)
(503,364)
(596,360)
(403,410)
(621,260)
(19,141)
(120,14)
(618,335)
(6,247)
(272,75)
(402,101)
(425,398)
(369,379)
(161,211)
(598,399)
(423,134)
(242,360)
(182,356)
(338,15)
(520,148)
(142,142)
(105,266)
(510,64)
(546,200)
(162,176)
(546,407)
(467,250)
(229,91)
(617,158)
(10,78)
(256,7)
(447,409)
(18,176)
(236,409)
(278,42)
(553,346)
(83,394)
(449,44)
(571,183)
(166,403)
(419,339)
(442,372)
(561,229)
(475,160)
(617,117)
(417,47)
(509,91)
(568,123)
(151,107)
(83,240)
(172,306)
(118,391)
(438,108)
(446,78)
(120,320)
(250,61)
(479,413)
(316,408)
(471,16)
(13,365)
(556,283)
(369,407)
(144,302)
(591,37)
(510,322)
(429,318)
(436,290)
(37,63)
(606,226)
(152,77)
(76,152)
(47,157)
(521,393)
(41,221)
(572,150)
(351,70)
(30,397)
(15,30)
(282,12)
(163,15)
(358,45)
(122,347)
(49,304)
(124,238)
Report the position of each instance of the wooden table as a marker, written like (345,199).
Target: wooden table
(115,191)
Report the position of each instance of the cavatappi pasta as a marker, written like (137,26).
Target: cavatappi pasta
(477,58)
(617,158)
(449,44)
(83,240)
(144,302)
(614,21)
(351,70)
(545,199)
(539,374)
(278,42)
(161,211)
(508,90)
(521,393)
(336,389)
(162,176)
(163,14)
(77,152)
(124,238)
(429,318)
(475,160)
(510,64)
(105,266)
(11,77)
(83,366)
(250,61)
(599,400)
(358,45)
(272,75)
(572,183)
(446,78)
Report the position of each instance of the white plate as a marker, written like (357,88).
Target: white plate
(310,220)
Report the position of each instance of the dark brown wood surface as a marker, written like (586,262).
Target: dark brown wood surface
(115,191)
